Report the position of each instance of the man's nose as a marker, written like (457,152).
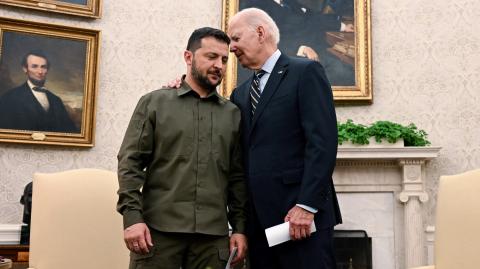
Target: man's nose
(218,63)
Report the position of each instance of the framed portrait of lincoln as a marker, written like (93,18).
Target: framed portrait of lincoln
(48,83)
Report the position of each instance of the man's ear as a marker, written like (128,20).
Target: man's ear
(24,69)
(188,56)
(261,33)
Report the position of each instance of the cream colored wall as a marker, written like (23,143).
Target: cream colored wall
(426,62)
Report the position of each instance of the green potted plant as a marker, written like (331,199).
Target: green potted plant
(350,132)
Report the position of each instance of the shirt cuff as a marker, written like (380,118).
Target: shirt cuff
(309,209)
(131,217)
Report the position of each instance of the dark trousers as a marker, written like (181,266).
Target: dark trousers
(315,252)
(183,250)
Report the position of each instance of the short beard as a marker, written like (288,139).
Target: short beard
(36,82)
(203,80)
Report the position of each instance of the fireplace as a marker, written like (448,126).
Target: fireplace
(381,191)
(353,249)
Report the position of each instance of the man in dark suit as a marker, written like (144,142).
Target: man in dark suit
(289,139)
(31,106)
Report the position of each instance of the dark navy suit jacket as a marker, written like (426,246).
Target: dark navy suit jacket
(290,144)
(20,110)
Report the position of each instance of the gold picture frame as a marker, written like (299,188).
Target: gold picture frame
(359,89)
(69,57)
(84,8)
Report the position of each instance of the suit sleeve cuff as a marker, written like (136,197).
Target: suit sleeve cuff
(309,209)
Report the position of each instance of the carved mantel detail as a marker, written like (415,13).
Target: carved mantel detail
(408,185)
(413,181)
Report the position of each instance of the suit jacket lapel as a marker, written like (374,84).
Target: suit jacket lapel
(278,73)
(30,101)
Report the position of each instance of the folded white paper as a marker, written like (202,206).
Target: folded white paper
(232,255)
(281,233)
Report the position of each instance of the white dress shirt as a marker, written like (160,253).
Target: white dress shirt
(41,96)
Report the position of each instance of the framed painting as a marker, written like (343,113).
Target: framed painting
(48,83)
(337,33)
(85,8)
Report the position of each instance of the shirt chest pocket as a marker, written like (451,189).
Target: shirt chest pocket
(176,132)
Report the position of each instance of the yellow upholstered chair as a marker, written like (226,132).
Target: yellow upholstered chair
(457,222)
(74,223)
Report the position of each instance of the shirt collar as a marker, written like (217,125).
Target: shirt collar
(31,85)
(186,89)
(271,61)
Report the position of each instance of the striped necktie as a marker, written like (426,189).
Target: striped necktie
(255,90)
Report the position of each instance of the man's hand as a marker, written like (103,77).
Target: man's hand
(311,54)
(239,241)
(349,28)
(300,222)
(137,238)
(176,83)
(308,52)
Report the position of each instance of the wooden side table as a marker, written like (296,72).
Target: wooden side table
(17,253)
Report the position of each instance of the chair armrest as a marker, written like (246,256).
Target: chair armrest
(424,267)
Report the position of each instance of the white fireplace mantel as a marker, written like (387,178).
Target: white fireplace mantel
(401,172)
(388,153)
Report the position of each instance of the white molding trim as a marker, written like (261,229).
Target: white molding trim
(430,236)
(405,153)
(10,234)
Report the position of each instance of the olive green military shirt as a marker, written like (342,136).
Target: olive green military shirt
(180,166)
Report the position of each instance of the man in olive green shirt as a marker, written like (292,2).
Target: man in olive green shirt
(179,168)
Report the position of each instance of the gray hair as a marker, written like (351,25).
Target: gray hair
(255,17)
